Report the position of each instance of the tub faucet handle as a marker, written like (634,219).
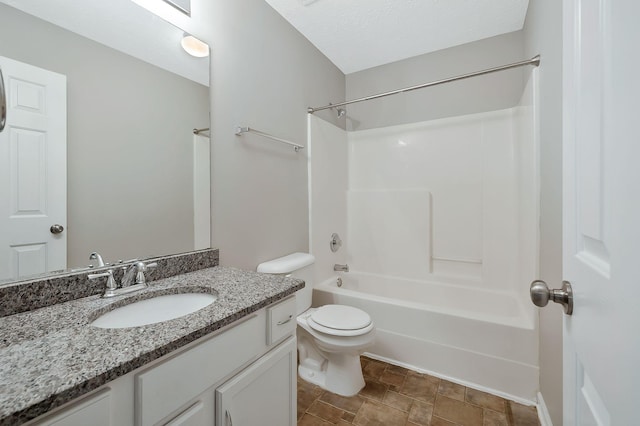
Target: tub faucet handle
(335,242)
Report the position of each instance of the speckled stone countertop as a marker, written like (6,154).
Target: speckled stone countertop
(52,355)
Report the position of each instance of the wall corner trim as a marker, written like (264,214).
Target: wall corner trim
(543,412)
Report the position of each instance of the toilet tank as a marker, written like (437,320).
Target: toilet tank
(297,265)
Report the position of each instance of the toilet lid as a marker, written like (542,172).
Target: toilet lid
(340,320)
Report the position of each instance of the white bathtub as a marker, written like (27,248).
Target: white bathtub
(479,338)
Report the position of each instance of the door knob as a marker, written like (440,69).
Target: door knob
(56,229)
(540,295)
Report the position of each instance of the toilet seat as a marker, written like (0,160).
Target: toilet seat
(340,320)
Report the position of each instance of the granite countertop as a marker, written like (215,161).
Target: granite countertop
(52,355)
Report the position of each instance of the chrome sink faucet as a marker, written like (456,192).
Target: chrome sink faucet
(96,256)
(136,269)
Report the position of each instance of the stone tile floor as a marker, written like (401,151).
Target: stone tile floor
(396,396)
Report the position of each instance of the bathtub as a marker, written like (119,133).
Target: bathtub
(483,339)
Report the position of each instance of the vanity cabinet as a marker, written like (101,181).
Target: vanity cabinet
(245,374)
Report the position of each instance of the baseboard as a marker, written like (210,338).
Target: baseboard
(543,412)
(471,385)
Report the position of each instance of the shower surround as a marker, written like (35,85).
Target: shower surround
(439,225)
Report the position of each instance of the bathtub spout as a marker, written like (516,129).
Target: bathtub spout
(341,268)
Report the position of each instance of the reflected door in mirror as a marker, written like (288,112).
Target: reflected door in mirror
(33,182)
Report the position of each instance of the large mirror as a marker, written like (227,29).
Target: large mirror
(102,102)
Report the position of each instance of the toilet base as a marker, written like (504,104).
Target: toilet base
(339,373)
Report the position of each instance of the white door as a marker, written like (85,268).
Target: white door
(33,171)
(601,219)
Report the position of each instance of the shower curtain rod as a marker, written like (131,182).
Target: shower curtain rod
(535,61)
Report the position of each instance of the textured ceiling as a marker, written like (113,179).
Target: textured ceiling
(360,34)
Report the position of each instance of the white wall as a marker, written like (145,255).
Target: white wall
(264,75)
(543,35)
(486,93)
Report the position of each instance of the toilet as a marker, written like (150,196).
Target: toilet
(331,338)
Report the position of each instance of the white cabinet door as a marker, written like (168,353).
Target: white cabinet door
(33,171)
(264,394)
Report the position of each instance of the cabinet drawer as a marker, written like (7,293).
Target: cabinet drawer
(281,320)
(164,388)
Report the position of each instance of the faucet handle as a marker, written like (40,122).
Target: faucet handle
(100,275)
(142,267)
(111,282)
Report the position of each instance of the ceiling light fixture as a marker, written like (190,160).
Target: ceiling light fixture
(194,46)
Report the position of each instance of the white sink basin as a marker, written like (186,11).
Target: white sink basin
(156,309)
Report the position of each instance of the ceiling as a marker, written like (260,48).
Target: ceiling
(360,34)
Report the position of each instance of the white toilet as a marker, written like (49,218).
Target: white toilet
(331,338)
